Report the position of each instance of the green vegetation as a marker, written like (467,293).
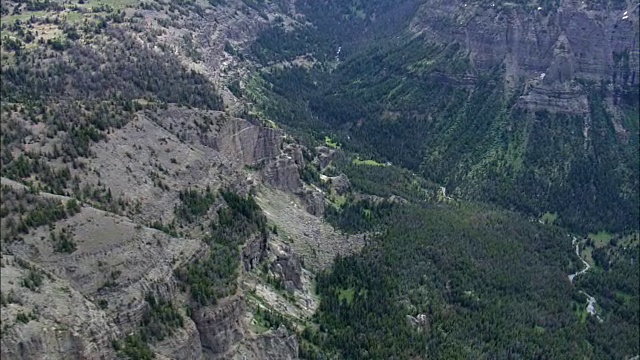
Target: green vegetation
(268,319)
(63,241)
(310,174)
(359,216)
(9,298)
(331,143)
(601,237)
(33,281)
(346,295)
(22,317)
(454,280)
(50,212)
(399,100)
(549,218)
(160,320)
(103,304)
(387,181)
(134,348)
(169,229)
(489,282)
(214,276)
(96,101)
(26,165)
(614,283)
(23,211)
(195,204)
(76,108)
(357,161)
(73,206)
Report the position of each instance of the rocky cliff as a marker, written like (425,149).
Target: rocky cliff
(220,327)
(547,48)
(576,39)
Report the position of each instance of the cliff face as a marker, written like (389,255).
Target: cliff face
(254,252)
(183,345)
(566,77)
(575,40)
(247,144)
(548,49)
(96,294)
(220,326)
(128,239)
(277,344)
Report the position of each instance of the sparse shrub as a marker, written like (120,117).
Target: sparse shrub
(33,281)
(167,229)
(73,207)
(271,319)
(108,284)
(63,242)
(11,44)
(103,304)
(22,317)
(9,298)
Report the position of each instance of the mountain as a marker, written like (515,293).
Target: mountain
(254,179)
(530,106)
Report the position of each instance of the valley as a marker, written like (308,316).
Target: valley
(297,179)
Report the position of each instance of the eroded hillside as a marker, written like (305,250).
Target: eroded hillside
(178,178)
(130,190)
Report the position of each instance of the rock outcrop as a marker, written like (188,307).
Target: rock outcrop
(325,156)
(283,172)
(118,261)
(52,319)
(340,184)
(184,344)
(314,200)
(246,144)
(254,252)
(277,344)
(220,326)
(420,321)
(556,98)
(287,267)
(311,238)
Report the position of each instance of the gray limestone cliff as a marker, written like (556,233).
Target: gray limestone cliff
(546,48)
(220,326)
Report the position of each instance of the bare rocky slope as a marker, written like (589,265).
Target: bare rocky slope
(119,259)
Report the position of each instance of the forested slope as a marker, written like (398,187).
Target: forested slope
(541,130)
(469,282)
